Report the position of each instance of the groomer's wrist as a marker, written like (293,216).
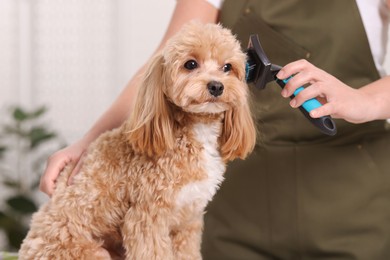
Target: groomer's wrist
(85,141)
(371,103)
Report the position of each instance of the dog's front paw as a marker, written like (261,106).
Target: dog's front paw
(101,254)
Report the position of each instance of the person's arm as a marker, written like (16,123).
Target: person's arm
(370,102)
(185,11)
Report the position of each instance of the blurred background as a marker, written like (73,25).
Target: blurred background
(62,63)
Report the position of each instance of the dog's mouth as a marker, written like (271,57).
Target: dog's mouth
(212,106)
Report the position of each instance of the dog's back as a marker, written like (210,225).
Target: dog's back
(77,218)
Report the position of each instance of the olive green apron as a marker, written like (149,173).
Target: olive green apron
(302,194)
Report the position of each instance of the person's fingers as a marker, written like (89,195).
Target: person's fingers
(299,80)
(293,68)
(304,73)
(313,91)
(55,165)
(76,169)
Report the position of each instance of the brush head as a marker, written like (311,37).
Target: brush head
(259,70)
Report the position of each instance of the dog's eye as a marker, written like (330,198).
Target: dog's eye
(191,65)
(227,67)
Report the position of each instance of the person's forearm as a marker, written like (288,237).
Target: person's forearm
(378,93)
(117,113)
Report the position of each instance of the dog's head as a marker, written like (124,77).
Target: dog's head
(202,71)
(205,69)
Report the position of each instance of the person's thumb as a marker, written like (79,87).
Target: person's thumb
(324,110)
(48,180)
(76,169)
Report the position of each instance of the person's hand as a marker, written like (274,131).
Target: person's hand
(57,162)
(338,99)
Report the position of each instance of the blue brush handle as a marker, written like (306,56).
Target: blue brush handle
(309,104)
(325,123)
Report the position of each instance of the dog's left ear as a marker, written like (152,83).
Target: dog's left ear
(239,133)
(151,123)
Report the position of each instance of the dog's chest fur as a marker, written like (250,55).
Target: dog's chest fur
(202,191)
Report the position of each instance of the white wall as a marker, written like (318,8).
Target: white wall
(387,60)
(74,56)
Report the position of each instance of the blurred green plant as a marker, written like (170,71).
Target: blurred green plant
(20,139)
(8,256)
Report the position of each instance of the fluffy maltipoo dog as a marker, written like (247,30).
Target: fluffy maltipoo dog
(143,187)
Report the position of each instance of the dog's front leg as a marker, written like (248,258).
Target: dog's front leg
(186,240)
(146,234)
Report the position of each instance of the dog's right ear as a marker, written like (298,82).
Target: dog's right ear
(150,126)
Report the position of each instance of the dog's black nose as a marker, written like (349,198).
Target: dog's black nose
(215,88)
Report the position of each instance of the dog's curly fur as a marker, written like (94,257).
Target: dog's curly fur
(143,187)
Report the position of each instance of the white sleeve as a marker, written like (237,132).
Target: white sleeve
(216,3)
(375,16)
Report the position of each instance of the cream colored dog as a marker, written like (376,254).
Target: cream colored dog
(143,187)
